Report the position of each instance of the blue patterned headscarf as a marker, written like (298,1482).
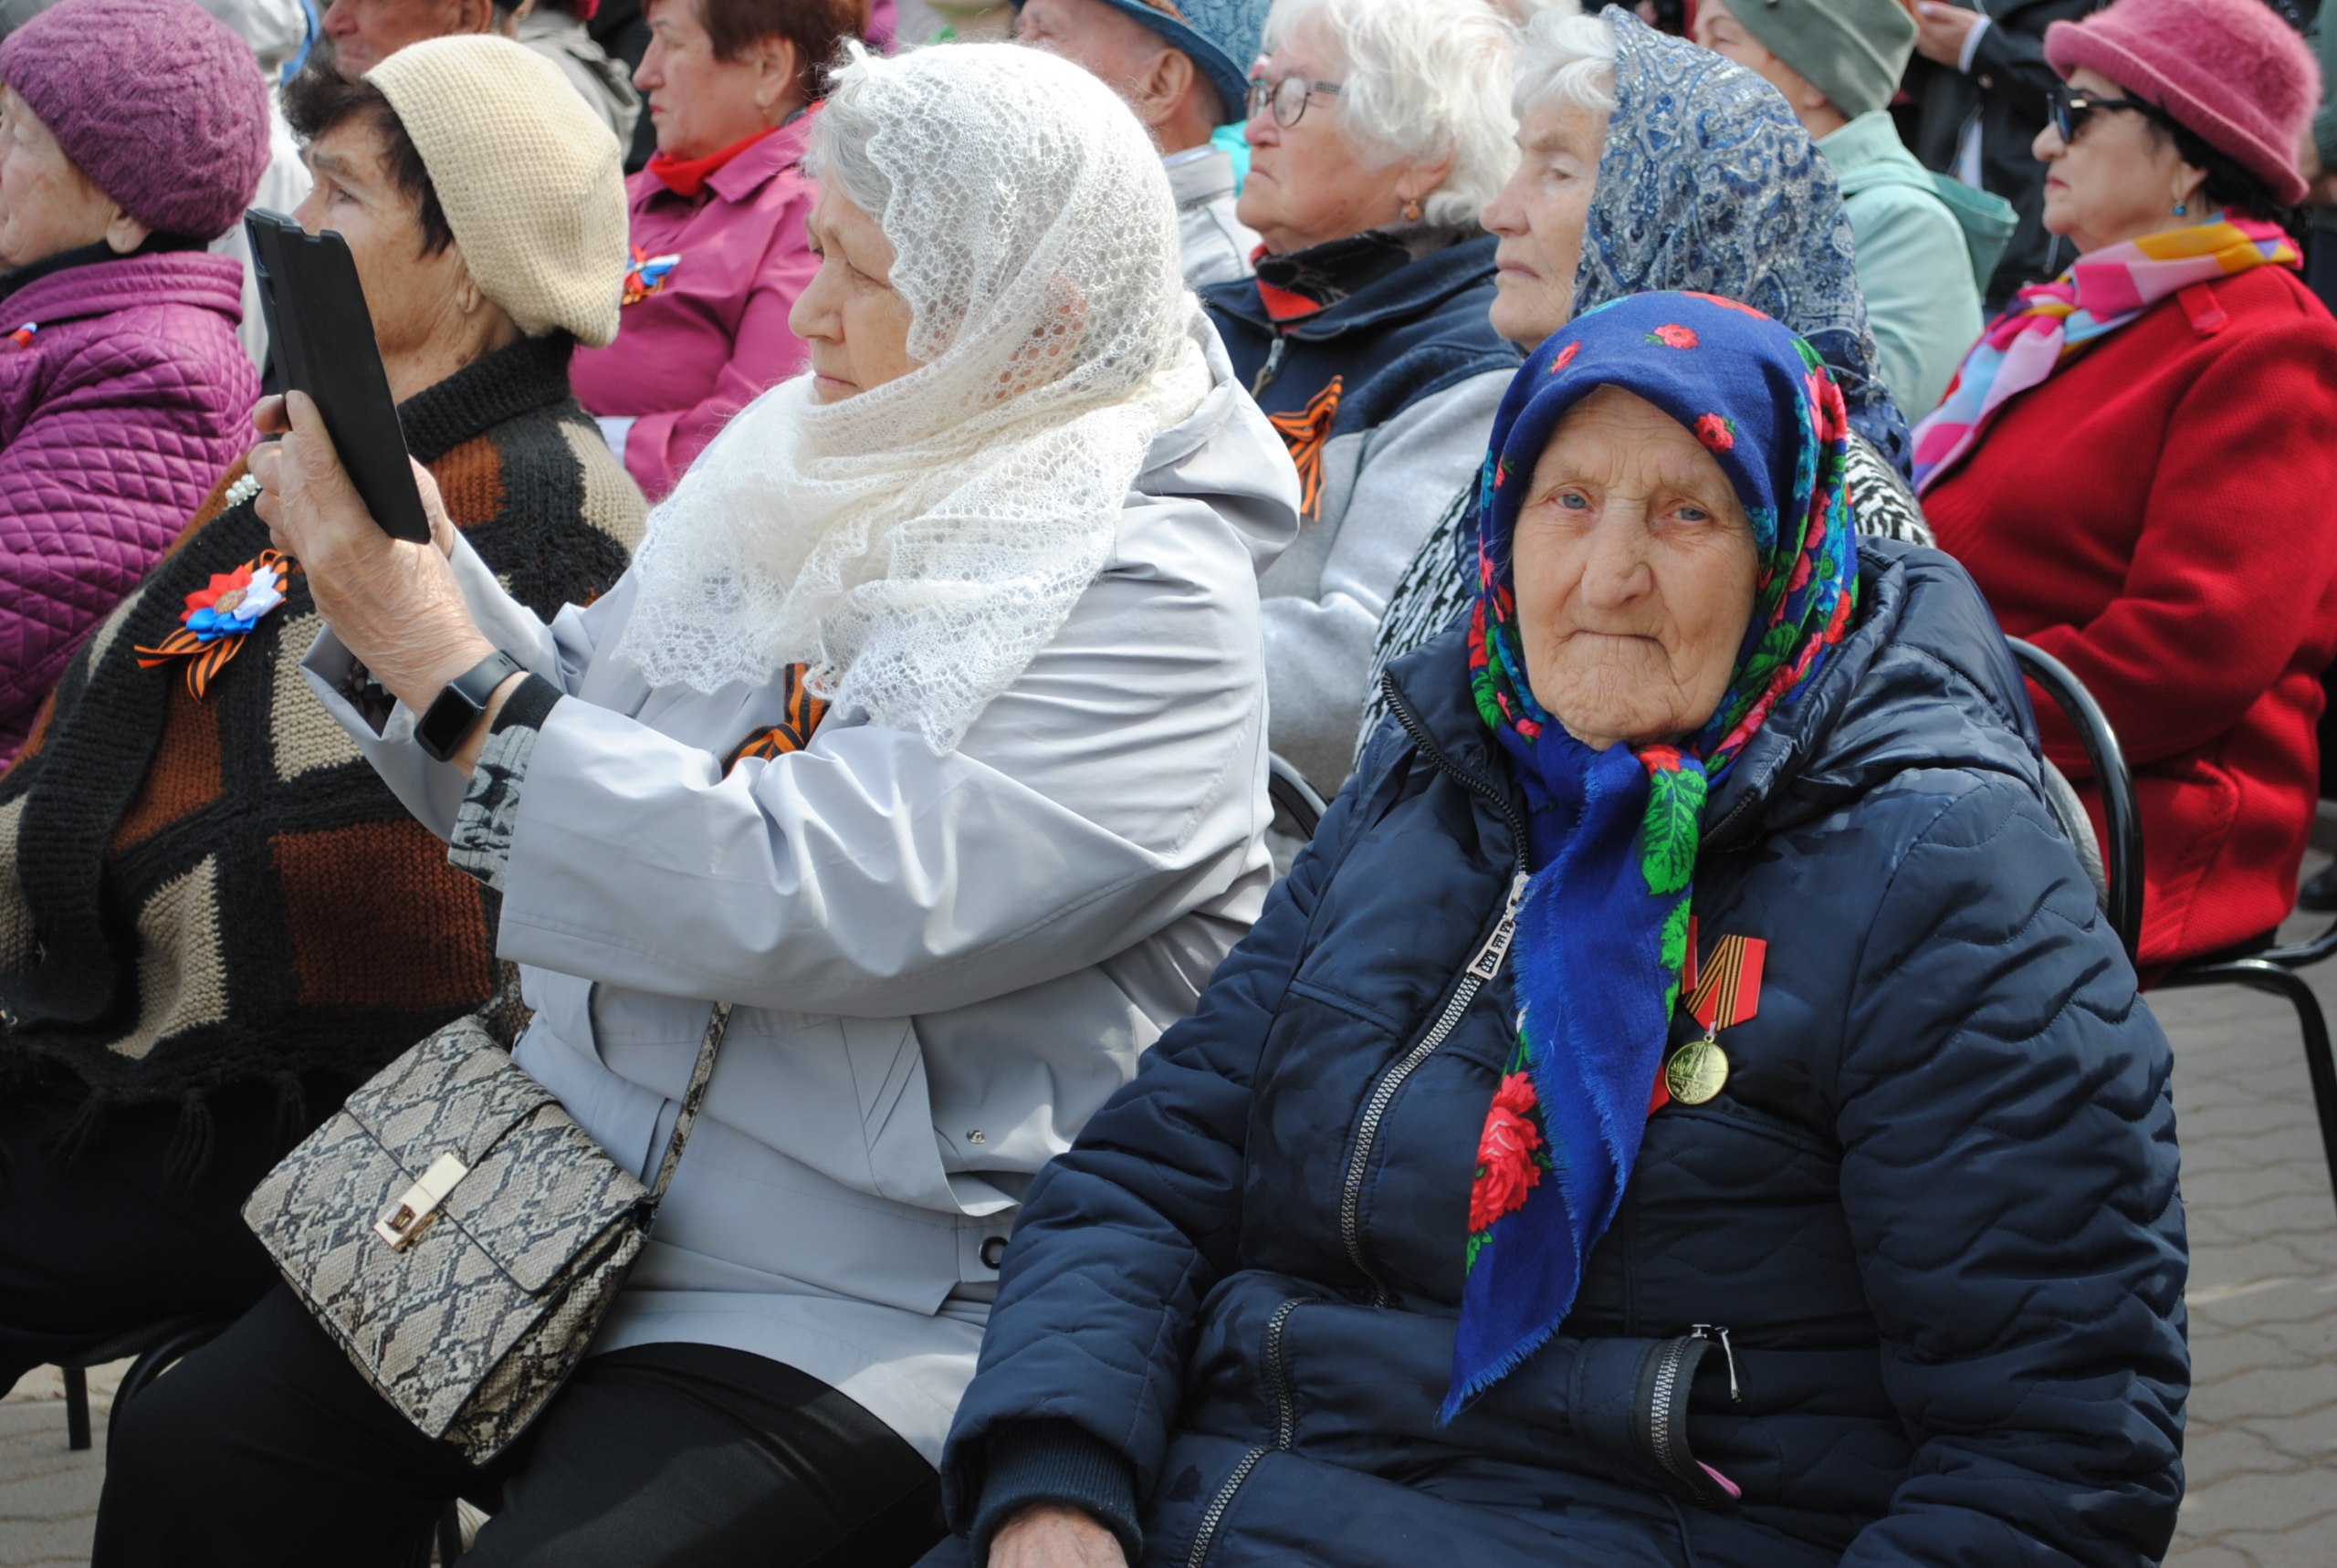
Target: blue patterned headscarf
(1710,184)
(1612,836)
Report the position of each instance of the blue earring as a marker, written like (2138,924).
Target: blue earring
(2180,208)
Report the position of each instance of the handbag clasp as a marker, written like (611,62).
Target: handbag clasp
(404,1222)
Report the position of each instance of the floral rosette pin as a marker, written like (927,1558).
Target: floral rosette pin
(219,616)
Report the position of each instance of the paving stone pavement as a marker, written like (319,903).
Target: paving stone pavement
(2260,1434)
(2261,1443)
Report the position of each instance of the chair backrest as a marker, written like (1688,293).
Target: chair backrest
(2122,900)
(1294,796)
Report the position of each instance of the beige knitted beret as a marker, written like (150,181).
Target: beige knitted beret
(528,177)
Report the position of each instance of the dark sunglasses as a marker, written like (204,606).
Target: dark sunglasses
(2070,109)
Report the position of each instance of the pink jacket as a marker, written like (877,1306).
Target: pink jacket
(714,332)
(123,396)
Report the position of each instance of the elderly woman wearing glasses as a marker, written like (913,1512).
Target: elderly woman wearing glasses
(2191,580)
(1379,129)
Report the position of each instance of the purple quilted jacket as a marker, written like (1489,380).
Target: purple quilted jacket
(123,396)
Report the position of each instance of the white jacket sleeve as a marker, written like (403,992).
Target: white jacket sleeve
(1318,649)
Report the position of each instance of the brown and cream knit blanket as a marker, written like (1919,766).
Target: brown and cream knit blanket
(202,890)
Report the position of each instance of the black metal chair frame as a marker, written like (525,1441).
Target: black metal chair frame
(2272,970)
(154,1347)
(2121,816)
(1294,796)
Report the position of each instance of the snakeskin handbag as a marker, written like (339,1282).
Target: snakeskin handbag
(458,1236)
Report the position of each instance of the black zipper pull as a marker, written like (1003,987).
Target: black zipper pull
(1728,1354)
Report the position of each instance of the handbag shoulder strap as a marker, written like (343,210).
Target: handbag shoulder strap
(692,1097)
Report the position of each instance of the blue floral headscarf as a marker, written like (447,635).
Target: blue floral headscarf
(1709,183)
(1612,835)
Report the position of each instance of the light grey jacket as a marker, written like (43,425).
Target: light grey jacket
(1383,489)
(942,965)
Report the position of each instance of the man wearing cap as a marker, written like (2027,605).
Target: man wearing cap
(1838,62)
(1184,68)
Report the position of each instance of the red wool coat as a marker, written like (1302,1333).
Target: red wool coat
(2162,515)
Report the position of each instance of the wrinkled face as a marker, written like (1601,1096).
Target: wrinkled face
(1108,44)
(46,204)
(358,34)
(1540,216)
(699,104)
(2120,179)
(410,296)
(856,322)
(1310,183)
(1634,566)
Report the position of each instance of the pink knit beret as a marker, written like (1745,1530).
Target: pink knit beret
(2229,70)
(159,102)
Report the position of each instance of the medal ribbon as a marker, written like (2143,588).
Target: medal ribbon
(1721,994)
(1727,990)
(792,732)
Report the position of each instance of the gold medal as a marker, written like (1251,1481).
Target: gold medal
(1696,1070)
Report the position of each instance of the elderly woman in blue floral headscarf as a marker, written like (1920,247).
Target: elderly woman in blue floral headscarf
(1683,1107)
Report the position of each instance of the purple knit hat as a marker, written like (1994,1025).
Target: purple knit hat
(159,103)
(2230,71)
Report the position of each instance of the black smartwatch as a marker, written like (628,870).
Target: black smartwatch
(443,729)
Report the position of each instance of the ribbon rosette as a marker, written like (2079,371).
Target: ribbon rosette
(647,275)
(218,618)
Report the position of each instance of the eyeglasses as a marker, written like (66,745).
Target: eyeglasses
(2071,110)
(1289,98)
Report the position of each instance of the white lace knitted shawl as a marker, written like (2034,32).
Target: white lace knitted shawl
(918,543)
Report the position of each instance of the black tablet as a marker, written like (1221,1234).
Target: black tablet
(322,336)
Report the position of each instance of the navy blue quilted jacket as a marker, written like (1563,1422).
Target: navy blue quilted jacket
(1933,1209)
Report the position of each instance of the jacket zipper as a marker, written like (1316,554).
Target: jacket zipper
(1728,1354)
(1402,706)
(1272,368)
(1482,967)
(1669,1392)
(1285,1435)
(1667,1385)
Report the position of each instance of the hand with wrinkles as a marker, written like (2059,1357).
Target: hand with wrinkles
(394,604)
(1049,1536)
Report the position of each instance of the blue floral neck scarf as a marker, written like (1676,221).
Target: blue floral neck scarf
(1613,835)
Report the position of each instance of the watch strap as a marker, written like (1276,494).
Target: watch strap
(456,709)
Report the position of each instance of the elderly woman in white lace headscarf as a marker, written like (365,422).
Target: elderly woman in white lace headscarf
(928,729)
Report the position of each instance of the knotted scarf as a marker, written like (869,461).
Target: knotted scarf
(1612,835)
(2050,324)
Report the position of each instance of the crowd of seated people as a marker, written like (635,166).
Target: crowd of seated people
(1687,1104)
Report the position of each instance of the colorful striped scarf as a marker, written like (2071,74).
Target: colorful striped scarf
(2050,324)
(1612,835)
